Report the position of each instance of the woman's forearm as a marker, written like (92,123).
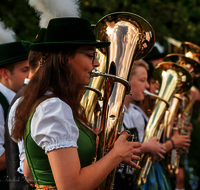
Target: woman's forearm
(70,175)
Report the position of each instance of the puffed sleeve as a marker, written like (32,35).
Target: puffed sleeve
(53,126)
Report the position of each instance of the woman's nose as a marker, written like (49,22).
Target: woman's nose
(96,63)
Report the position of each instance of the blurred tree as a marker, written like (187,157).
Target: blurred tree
(176,19)
(20,17)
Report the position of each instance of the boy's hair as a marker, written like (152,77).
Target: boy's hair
(9,67)
(138,63)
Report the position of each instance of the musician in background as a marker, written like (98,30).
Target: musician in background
(135,121)
(155,56)
(179,141)
(180,178)
(156,178)
(148,103)
(14,68)
(138,120)
(15,152)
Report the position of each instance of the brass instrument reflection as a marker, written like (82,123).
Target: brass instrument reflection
(131,38)
(173,79)
(180,105)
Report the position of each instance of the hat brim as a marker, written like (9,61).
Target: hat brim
(26,44)
(61,45)
(14,60)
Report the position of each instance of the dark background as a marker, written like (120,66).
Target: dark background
(176,19)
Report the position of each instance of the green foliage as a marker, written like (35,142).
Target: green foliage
(20,17)
(177,19)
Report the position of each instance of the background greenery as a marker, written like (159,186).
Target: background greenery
(177,19)
(173,18)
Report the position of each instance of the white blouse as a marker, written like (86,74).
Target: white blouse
(135,117)
(53,126)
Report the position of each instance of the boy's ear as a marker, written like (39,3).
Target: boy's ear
(4,73)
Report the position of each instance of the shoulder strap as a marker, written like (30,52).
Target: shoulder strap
(5,105)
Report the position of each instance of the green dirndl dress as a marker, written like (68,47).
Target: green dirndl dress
(38,160)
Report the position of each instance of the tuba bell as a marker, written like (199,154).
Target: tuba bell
(131,38)
(186,48)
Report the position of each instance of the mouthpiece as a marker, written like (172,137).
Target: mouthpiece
(95,73)
(148,93)
(151,94)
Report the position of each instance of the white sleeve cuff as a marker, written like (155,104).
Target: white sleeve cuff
(58,145)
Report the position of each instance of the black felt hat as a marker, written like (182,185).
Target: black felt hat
(12,52)
(39,38)
(68,31)
(154,54)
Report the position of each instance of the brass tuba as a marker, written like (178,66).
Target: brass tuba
(186,48)
(180,108)
(172,78)
(131,38)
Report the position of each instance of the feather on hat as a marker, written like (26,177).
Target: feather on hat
(6,34)
(48,9)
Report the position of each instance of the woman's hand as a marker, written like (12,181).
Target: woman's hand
(154,148)
(65,164)
(127,150)
(181,141)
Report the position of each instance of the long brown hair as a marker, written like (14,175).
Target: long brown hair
(54,75)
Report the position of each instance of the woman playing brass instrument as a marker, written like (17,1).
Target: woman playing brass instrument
(52,101)
(178,141)
(135,121)
(153,182)
(147,105)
